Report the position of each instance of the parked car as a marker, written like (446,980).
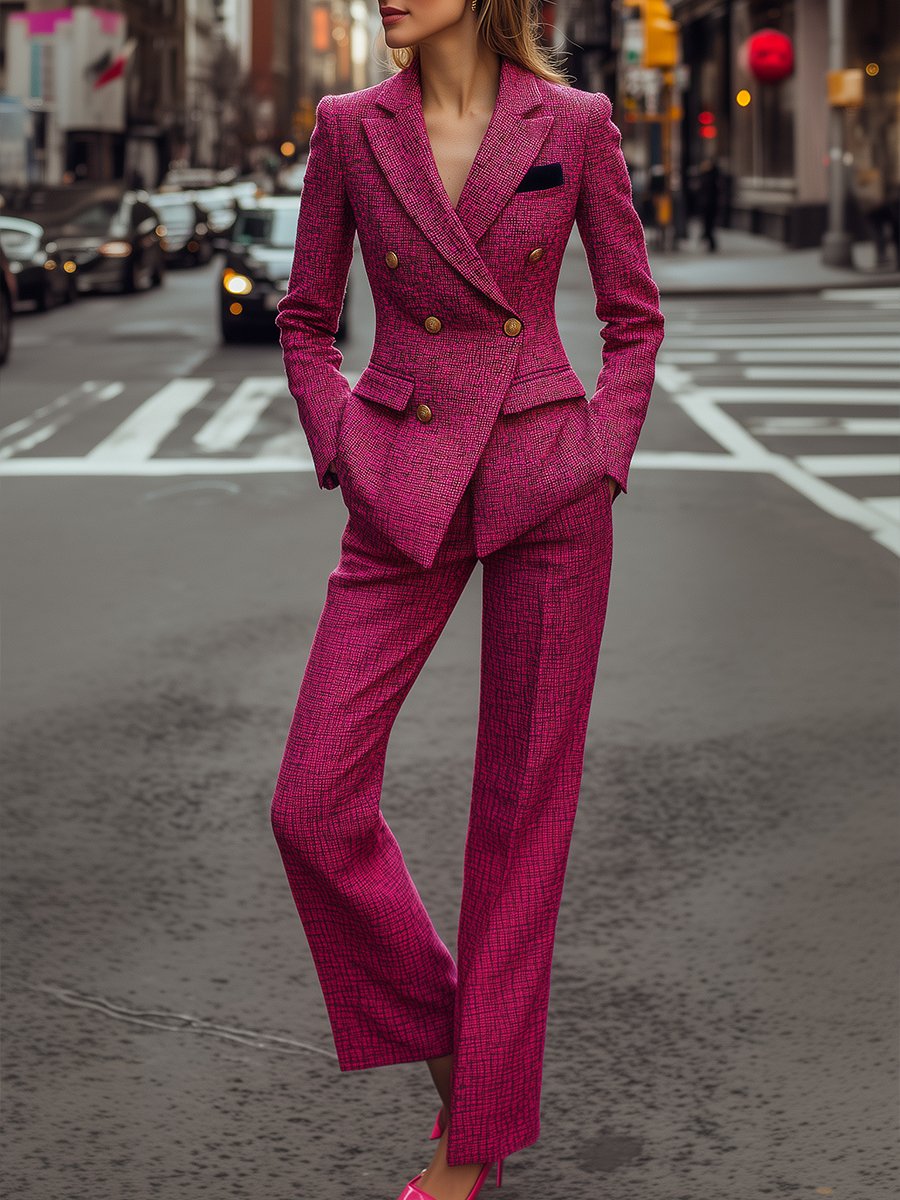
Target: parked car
(186,178)
(290,177)
(188,239)
(220,206)
(247,189)
(8,292)
(42,276)
(116,244)
(257,267)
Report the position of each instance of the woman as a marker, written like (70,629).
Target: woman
(467,438)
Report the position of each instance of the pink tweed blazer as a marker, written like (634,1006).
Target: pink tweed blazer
(466,334)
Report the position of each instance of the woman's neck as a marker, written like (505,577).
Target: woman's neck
(458,85)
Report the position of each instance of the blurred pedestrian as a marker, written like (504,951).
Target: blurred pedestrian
(709,183)
(880,206)
(448,451)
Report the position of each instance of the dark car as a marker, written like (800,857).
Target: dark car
(188,239)
(42,277)
(116,244)
(8,292)
(257,267)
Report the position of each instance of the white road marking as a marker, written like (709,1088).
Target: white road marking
(23,435)
(888,505)
(689,357)
(798,395)
(878,517)
(777,330)
(144,430)
(822,356)
(151,466)
(835,465)
(235,419)
(865,295)
(826,371)
(705,341)
(702,408)
(818,426)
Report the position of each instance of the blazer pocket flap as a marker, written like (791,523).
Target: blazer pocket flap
(531,390)
(384,387)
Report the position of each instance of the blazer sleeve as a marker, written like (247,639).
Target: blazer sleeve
(308,315)
(627,297)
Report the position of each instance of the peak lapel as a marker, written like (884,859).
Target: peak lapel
(400,143)
(509,147)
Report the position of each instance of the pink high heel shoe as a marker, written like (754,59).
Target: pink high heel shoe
(413,1192)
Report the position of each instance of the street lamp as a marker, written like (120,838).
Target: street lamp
(837,250)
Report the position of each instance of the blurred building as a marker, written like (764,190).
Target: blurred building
(771,139)
(175,97)
(584,30)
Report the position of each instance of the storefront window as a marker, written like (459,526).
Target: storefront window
(763,132)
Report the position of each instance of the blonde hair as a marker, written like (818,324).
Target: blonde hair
(510,28)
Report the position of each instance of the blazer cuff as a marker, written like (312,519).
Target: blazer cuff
(616,459)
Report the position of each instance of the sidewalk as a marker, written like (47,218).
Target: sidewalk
(745,263)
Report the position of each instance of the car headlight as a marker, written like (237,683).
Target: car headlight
(115,249)
(237,285)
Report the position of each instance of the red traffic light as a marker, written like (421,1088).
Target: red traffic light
(706,118)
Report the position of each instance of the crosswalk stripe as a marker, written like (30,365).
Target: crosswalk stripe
(705,341)
(800,395)
(833,465)
(234,420)
(144,430)
(818,426)
(864,295)
(784,329)
(153,466)
(26,433)
(872,357)
(688,358)
(888,506)
(827,371)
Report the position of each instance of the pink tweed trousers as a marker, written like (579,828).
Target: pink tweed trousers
(393,991)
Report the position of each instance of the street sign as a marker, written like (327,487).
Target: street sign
(845,88)
(633,42)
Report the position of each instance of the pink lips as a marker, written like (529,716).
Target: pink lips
(390,16)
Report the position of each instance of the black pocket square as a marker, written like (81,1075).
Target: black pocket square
(545,175)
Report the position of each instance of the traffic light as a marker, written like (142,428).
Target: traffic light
(660,34)
(650,33)
(707,122)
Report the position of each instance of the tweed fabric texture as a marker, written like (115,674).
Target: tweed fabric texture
(392,988)
(371,174)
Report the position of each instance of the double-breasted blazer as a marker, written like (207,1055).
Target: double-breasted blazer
(466,338)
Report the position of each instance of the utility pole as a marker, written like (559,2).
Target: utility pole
(836,245)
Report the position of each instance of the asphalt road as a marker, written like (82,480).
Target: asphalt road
(724,1008)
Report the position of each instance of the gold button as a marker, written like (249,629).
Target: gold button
(423,412)
(391,258)
(512,326)
(536,254)
(433,324)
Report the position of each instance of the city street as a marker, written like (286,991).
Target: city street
(723,1013)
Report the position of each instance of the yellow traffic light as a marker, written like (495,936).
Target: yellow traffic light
(660,34)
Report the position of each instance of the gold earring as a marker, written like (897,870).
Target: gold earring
(474,2)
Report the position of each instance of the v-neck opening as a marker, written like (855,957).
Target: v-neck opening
(454,208)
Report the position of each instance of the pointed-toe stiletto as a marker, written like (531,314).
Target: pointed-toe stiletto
(414,1191)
